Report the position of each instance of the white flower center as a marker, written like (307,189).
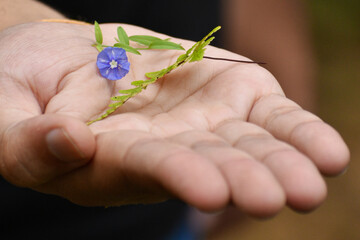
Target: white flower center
(113,64)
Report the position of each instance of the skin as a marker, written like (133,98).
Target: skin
(15,12)
(212,133)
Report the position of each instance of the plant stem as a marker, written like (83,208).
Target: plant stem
(232,60)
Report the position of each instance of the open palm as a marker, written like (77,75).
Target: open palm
(211,133)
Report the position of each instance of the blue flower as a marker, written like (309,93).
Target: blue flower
(113,63)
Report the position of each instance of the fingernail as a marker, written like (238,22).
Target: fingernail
(343,172)
(62,146)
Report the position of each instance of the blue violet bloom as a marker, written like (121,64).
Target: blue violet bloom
(113,63)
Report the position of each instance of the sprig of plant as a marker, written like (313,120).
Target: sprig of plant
(123,41)
(195,53)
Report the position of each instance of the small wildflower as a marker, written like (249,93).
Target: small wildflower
(113,63)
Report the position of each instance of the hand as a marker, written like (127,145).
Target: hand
(211,133)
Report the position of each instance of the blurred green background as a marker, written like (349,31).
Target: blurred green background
(336,32)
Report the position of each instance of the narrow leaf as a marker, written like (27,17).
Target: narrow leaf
(130,91)
(163,44)
(127,91)
(144,39)
(121,98)
(157,74)
(122,36)
(109,111)
(197,55)
(99,47)
(115,105)
(181,58)
(98,33)
(211,33)
(127,48)
(138,83)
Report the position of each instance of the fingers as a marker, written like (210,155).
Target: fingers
(183,172)
(288,122)
(301,181)
(39,149)
(136,167)
(253,188)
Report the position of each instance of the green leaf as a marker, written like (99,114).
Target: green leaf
(157,74)
(152,74)
(99,47)
(181,58)
(199,50)
(211,33)
(163,44)
(127,91)
(98,33)
(155,42)
(121,98)
(207,42)
(111,110)
(197,55)
(171,67)
(138,83)
(144,39)
(122,36)
(127,48)
(131,91)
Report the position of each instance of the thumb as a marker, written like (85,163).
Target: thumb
(38,149)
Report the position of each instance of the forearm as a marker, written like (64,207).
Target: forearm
(21,11)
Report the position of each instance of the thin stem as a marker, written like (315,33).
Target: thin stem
(232,60)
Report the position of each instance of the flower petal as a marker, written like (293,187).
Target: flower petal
(102,65)
(108,55)
(113,74)
(103,56)
(125,65)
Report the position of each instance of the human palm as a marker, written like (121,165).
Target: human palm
(211,133)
